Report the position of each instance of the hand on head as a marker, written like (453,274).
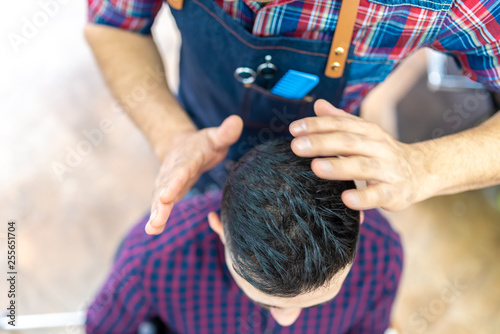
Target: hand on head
(391,169)
(193,153)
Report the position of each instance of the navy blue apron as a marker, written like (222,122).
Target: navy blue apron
(213,46)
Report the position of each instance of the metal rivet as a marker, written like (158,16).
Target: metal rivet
(335,66)
(339,51)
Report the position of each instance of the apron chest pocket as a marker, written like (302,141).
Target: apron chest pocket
(259,108)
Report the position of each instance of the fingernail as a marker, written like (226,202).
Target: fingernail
(324,165)
(153,215)
(298,127)
(151,229)
(302,144)
(352,198)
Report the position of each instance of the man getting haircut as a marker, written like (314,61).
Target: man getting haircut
(284,258)
(287,230)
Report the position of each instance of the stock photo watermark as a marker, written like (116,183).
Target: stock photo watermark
(32,25)
(426,315)
(11,273)
(254,320)
(462,111)
(95,137)
(277,125)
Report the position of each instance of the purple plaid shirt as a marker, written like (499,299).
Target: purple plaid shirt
(181,277)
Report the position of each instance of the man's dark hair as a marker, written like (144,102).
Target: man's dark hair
(287,231)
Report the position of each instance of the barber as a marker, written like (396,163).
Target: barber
(234,51)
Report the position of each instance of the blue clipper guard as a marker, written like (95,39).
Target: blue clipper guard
(295,84)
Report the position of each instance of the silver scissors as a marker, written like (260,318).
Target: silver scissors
(247,76)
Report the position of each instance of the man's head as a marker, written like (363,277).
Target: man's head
(289,239)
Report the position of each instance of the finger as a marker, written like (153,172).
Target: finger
(153,230)
(174,184)
(371,197)
(148,228)
(161,218)
(325,108)
(326,124)
(163,202)
(227,133)
(157,225)
(158,218)
(336,143)
(350,168)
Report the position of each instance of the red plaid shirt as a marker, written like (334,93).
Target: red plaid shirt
(386,31)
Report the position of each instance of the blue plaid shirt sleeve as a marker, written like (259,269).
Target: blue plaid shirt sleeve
(132,15)
(471,34)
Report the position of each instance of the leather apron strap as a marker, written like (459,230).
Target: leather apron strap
(177,4)
(342,39)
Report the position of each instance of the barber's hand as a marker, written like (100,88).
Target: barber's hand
(392,169)
(192,154)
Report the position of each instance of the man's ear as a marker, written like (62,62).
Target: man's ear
(216,225)
(361,217)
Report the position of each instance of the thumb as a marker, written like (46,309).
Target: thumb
(227,133)
(325,108)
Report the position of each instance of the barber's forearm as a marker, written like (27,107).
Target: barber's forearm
(463,161)
(134,72)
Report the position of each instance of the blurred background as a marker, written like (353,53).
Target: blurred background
(75,175)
